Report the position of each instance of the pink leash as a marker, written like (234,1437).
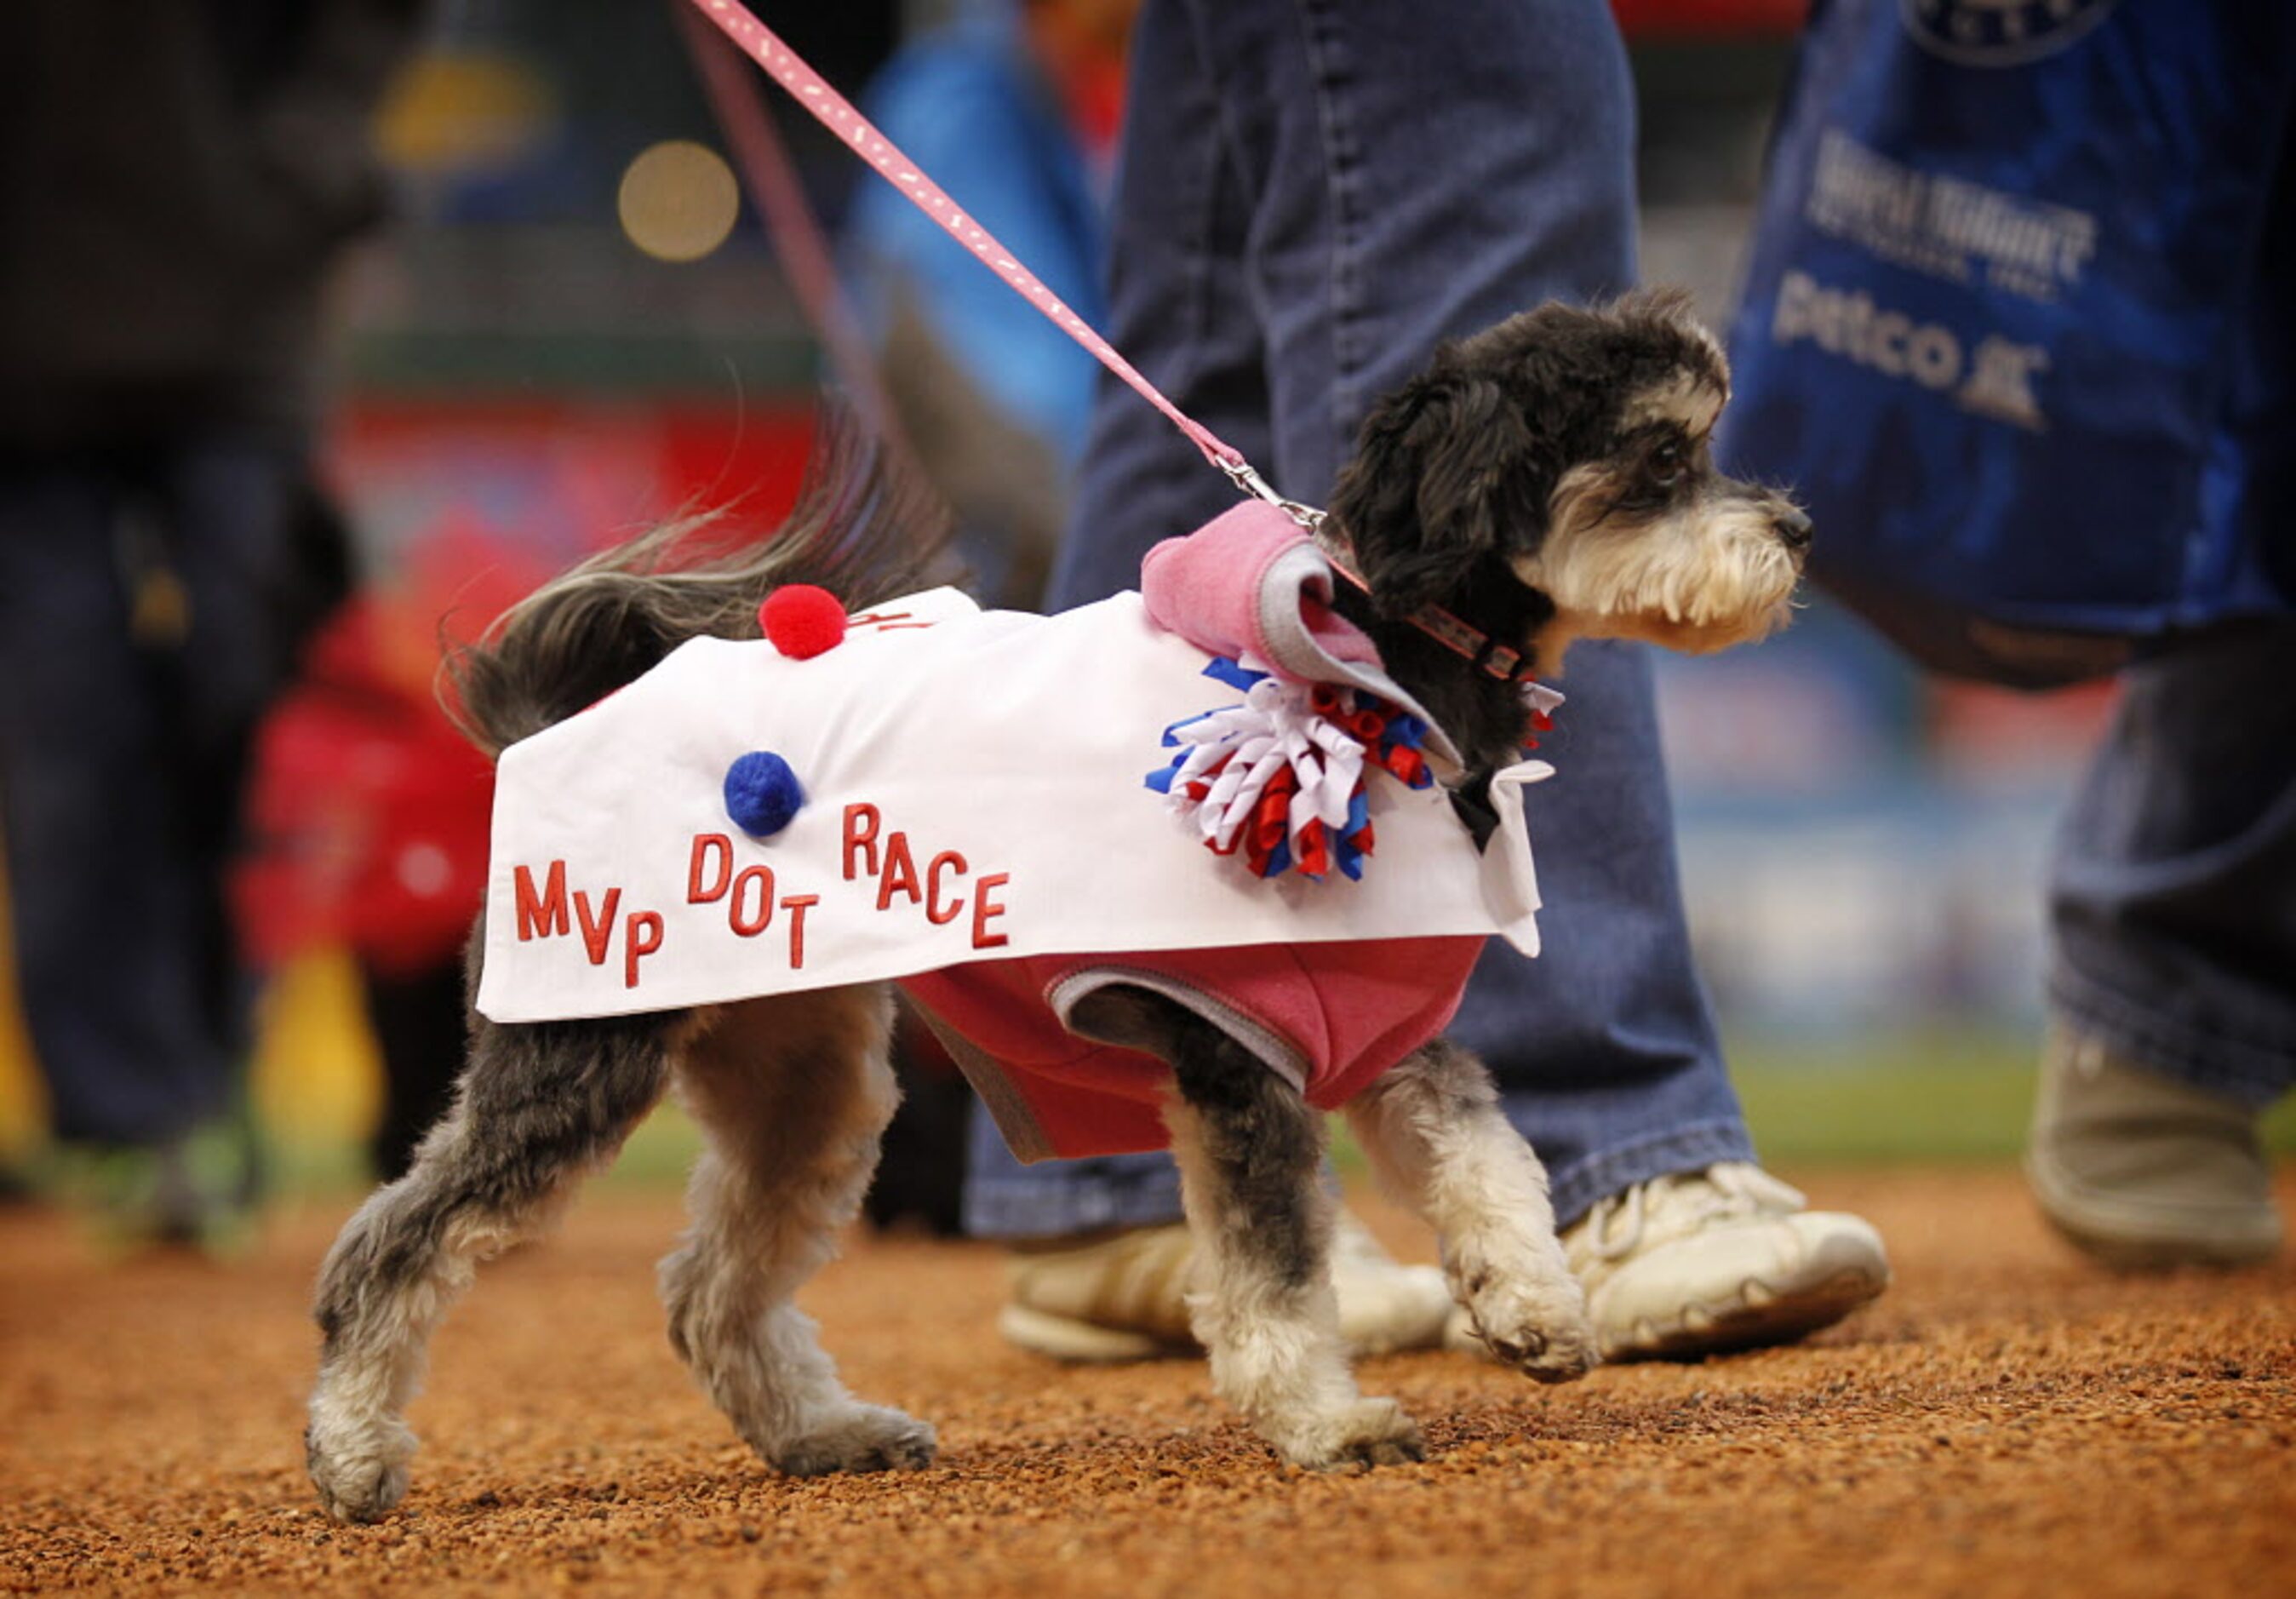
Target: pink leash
(812,91)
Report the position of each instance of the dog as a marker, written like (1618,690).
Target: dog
(1547,481)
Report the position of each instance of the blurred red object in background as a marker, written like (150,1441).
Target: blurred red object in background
(368,814)
(1659,19)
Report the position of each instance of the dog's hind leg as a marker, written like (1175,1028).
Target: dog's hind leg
(539,1105)
(1436,1136)
(1250,1156)
(792,1095)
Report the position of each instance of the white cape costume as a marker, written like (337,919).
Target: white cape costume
(974,791)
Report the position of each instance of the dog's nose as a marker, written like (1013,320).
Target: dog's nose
(1793,528)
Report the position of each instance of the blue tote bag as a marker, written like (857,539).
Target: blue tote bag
(2019,324)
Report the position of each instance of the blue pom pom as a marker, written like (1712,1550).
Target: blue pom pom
(762,793)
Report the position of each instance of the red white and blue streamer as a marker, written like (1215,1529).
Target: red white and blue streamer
(1279,779)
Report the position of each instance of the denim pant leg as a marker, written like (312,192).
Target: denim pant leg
(1312,196)
(2173,893)
(1418,173)
(119,770)
(1603,1047)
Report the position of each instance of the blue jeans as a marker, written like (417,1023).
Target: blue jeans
(123,749)
(1311,196)
(2173,897)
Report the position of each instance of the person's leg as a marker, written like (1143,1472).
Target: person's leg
(2173,979)
(1384,178)
(1401,176)
(109,911)
(229,507)
(1603,1045)
(1417,174)
(139,648)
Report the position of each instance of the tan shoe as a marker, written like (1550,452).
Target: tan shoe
(1727,1258)
(1123,1296)
(2143,1172)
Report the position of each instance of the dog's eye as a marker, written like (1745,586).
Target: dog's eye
(1667,463)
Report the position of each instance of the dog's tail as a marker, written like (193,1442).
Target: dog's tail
(861,528)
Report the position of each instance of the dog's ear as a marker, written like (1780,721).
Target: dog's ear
(1445,465)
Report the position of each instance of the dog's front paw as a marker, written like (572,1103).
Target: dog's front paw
(1539,1326)
(1355,1438)
(360,1475)
(868,1437)
(1544,1353)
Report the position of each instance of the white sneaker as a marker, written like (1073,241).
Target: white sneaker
(1123,1296)
(2144,1172)
(1722,1259)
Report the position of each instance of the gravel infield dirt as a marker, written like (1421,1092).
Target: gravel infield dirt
(2006,1420)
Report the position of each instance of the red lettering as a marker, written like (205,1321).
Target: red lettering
(934,911)
(900,874)
(596,935)
(547,914)
(797,904)
(641,938)
(984,907)
(858,838)
(703,842)
(751,926)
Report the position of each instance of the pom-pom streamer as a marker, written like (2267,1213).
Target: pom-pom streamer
(1279,779)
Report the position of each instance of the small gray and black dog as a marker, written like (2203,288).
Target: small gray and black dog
(1546,480)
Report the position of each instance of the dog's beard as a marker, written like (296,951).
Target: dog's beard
(1696,577)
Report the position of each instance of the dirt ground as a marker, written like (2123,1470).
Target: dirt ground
(2005,1420)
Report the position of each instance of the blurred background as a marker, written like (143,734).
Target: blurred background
(576,325)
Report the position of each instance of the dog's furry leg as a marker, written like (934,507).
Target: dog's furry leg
(1435,1134)
(792,1095)
(537,1105)
(1250,1156)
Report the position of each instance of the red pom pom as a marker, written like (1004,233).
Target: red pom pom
(802,621)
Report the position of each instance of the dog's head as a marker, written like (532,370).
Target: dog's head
(1565,451)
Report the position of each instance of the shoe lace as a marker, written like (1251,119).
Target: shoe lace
(1679,1203)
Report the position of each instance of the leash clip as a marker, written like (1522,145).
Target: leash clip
(1247,480)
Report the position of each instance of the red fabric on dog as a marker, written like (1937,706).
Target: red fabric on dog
(1338,1014)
